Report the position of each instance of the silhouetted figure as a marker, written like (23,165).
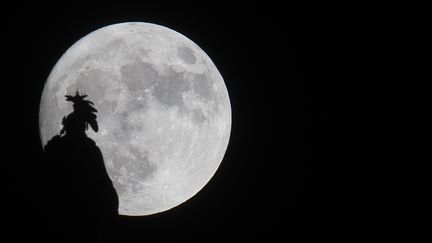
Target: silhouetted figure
(84,198)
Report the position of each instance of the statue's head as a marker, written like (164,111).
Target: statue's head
(83,114)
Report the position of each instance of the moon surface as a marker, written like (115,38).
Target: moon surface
(163,111)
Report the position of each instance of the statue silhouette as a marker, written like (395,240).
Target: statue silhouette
(83,198)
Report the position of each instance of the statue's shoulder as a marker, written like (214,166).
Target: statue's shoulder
(91,146)
(54,140)
(90,141)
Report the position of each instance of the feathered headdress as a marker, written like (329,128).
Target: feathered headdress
(83,109)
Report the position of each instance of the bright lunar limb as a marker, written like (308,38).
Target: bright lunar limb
(163,111)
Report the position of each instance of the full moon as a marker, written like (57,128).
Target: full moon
(164,112)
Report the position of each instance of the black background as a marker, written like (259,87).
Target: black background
(270,59)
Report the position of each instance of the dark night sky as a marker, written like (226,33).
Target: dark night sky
(269,61)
